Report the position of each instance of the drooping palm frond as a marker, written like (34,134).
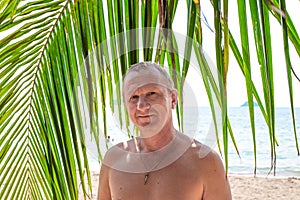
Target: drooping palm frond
(260,11)
(59,56)
(40,126)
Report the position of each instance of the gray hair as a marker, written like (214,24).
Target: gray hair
(148,66)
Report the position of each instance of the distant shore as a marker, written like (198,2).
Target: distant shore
(247,188)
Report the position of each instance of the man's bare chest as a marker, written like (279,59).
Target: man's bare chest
(169,183)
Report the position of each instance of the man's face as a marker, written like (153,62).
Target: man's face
(149,105)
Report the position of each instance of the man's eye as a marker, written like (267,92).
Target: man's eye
(151,93)
(134,98)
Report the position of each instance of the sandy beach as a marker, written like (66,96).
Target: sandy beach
(249,188)
(264,188)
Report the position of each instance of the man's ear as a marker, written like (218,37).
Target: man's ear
(174,98)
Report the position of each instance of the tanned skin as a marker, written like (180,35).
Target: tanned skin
(190,177)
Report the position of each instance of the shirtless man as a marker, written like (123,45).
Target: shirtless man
(160,164)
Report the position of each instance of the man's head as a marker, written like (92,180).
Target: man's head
(149,97)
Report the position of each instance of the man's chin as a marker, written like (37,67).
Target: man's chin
(144,124)
(149,130)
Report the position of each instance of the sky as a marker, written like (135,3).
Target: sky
(237,93)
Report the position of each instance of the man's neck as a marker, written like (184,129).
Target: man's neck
(158,141)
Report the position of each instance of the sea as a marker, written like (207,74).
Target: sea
(199,123)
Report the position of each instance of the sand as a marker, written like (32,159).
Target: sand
(248,188)
(264,188)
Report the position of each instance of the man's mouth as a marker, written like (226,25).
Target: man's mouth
(145,115)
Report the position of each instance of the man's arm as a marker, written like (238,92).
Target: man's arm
(103,189)
(216,185)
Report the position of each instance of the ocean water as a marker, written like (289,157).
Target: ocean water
(287,159)
(198,123)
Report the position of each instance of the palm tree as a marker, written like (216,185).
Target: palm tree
(58,55)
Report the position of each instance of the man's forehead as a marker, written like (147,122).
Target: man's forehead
(135,80)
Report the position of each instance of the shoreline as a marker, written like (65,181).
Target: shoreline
(265,176)
(245,187)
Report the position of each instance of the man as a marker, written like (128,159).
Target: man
(160,164)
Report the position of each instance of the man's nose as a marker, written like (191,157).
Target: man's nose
(142,104)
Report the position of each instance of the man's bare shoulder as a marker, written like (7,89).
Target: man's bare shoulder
(203,156)
(209,166)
